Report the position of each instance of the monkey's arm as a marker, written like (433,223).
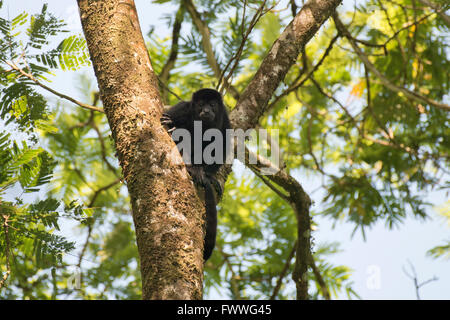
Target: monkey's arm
(178,116)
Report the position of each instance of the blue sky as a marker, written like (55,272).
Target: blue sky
(378,261)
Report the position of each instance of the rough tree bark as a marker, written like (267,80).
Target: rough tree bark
(166,210)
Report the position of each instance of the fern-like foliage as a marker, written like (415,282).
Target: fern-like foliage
(70,54)
(232,37)
(30,227)
(189,49)
(41,27)
(26,40)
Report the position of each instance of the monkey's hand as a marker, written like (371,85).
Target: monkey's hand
(167,121)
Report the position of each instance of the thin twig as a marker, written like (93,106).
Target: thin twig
(63,96)
(386,82)
(294,86)
(353,120)
(293,8)
(161,83)
(103,148)
(256,171)
(100,190)
(283,272)
(323,286)
(170,63)
(205,32)
(311,152)
(90,226)
(438,10)
(236,57)
(409,25)
(235,291)
(415,279)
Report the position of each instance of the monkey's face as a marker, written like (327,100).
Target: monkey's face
(206,111)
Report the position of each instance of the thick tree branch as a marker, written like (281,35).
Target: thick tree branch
(252,105)
(283,54)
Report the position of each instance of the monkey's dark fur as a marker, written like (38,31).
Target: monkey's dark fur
(206,106)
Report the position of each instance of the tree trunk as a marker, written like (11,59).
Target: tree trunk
(166,210)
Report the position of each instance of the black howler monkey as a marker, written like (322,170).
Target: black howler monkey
(206,107)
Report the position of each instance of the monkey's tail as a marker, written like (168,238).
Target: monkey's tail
(211,221)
